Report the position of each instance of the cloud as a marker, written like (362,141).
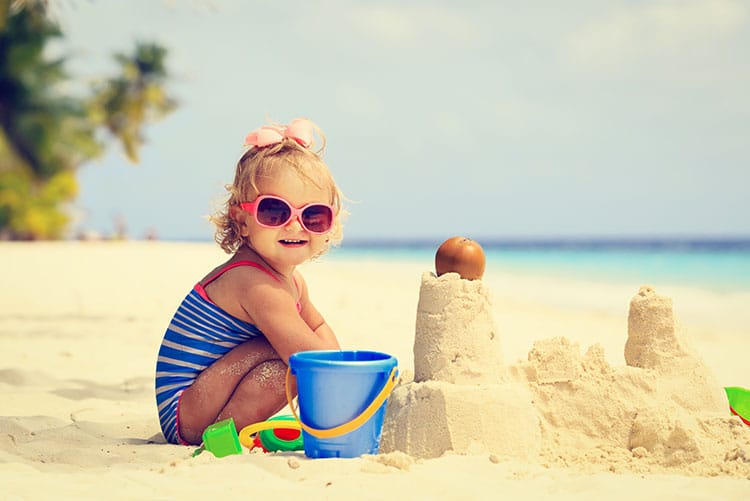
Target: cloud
(655,30)
(405,26)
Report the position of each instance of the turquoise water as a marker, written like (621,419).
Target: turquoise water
(719,266)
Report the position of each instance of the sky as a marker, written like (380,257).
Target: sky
(489,119)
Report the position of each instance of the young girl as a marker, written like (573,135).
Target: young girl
(225,353)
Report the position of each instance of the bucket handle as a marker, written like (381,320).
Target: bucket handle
(355,423)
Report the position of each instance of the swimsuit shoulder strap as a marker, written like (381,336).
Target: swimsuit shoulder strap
(235,265)
(200,287)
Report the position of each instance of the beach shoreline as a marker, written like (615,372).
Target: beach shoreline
(81,323)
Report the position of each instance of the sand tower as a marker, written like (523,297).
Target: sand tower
(459,400)
(654,343)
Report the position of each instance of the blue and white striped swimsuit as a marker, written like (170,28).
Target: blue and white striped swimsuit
(199,334)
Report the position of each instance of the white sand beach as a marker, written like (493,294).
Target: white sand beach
(81,323)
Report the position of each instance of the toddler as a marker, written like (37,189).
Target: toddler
(226,350)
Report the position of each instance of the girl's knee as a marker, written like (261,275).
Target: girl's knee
(271,376)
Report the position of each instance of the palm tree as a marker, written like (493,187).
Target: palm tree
(45,135)
(122,104)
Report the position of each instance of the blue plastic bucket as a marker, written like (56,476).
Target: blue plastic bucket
(335,388)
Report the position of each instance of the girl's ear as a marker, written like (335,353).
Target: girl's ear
(239,216)
(234,212)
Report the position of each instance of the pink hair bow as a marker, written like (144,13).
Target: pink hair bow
(299,129)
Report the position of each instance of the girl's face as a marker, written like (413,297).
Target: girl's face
(289,245)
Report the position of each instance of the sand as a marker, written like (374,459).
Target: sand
(609,414)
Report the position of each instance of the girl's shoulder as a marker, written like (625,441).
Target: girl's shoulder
(238,270)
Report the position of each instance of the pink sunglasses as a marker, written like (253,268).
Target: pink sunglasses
(273,212)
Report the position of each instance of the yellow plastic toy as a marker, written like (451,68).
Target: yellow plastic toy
(280,433)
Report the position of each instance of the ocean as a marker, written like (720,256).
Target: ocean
(721,265)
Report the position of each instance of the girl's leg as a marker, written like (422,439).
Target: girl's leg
(246,384)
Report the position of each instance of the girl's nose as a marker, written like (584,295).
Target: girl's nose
(295,224)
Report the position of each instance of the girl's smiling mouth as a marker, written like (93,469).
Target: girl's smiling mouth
(292,242)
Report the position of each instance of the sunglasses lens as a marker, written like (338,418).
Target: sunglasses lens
(273,212)
(317,218)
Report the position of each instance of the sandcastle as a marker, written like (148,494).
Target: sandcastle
(460,399)
(663,409)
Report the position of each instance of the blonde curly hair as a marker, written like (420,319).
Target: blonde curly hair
(264,162)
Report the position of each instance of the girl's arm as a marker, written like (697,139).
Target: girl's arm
(325,333)
(313,318)
(274,311)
